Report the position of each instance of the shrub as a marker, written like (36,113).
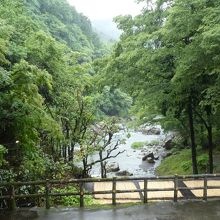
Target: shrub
(70,200)
(202,162)
(137,145)
(3,151)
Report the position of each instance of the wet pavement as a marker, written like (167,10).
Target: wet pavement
(154,211)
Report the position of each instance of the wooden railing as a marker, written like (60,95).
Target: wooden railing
(10,196)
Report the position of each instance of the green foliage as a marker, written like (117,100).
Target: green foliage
(203,161)
(65,24)
(46,90)
(70,200)
(7,175)
(176,164)
(138,145)
(113,102)
(34,165)
(3,151)
(38,164)
(181,163)
(52,95)
(167,60)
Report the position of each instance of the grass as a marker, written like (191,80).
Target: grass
(138,145)
(175,164)
(181,163)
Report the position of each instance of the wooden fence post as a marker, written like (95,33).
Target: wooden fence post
(114,191)
(205,188)
(12,203)
(81,195)
(175,197)
(145,190)
(47,194)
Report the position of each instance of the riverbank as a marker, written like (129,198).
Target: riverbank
(180,163)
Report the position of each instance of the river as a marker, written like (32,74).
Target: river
(131,159)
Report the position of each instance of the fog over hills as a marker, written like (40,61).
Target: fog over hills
(101,13)
(106,29)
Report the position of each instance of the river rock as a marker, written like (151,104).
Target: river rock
(150,157)
(112,167)
(151,131)
(150,160)
(166,154)
(168,144)
(124,173)
(144,150)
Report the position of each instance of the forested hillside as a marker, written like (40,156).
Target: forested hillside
(62,91)
(48,95)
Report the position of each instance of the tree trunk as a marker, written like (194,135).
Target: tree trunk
(84,168)
(192,137)
(72,145)
(104,170)
(210,149)
(68,152)
(65,152)
(210,140)
(208,125)
(103,165)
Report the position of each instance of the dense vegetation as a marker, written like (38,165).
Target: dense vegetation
(170,53)
(62,90)
(49,102)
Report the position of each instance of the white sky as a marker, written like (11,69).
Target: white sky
(105,9)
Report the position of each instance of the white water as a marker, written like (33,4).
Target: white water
(131,160)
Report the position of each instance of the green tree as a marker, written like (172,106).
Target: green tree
(169,53)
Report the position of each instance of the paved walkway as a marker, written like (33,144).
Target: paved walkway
(156,211)
(164,195)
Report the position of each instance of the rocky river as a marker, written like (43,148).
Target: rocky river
(132,161)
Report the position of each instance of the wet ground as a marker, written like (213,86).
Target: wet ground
(156,211)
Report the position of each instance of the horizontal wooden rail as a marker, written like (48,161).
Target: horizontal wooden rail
(29,196)
(93,180)
(11,196)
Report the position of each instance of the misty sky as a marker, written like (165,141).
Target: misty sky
(105,9)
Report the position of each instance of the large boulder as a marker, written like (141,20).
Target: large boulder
(151,131)
(124,173)
(112,167)
(150,157)
(150,160)
(168,144)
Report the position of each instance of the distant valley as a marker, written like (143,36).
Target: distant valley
(106,29)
